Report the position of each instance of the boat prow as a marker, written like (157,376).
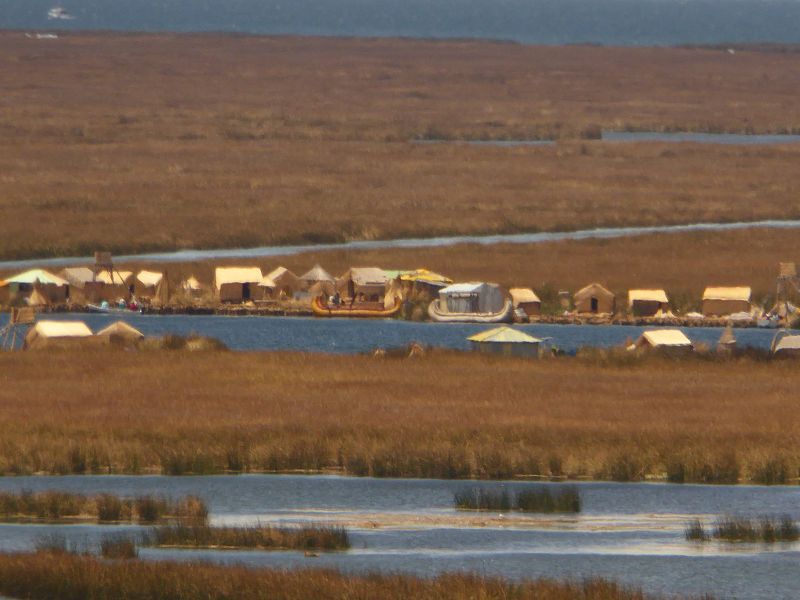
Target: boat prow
(504,315)
(321,308)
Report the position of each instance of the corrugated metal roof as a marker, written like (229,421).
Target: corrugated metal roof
(224,275)
(666,337)
(789,342)
(727,293)
(149,277)
(40,275)
(520,295)
(60,329)
(462,288)
(504,335)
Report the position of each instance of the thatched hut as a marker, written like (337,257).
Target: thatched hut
(50,288)
(786,345)
(595,299)
(363,283)
(120,333)
(668,341)
(286,282)
(723,301)
(147,284)
(57,334)
(506,341)
(526,299)
(237,284)
(647,303)
(315,275)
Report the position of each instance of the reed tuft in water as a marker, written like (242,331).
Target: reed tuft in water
(262,537)
(766,529)
(533,500)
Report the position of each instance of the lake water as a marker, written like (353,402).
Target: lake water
(740,139)
(629,532)
(347,336)
(611,22)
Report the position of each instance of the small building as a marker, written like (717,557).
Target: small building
(61,334)
(647,303)
(120,333)
(192,287)
(526,299)
(723,301)
(147,284)
(366,284)
(110,286)
(237,284)
(506,341)
(669,341)
(595,299)
(50,288)
(315,275)
(471,298)
(786,346)
(286,282)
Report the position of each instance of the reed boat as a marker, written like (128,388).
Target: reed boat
(362,310)
(504,315)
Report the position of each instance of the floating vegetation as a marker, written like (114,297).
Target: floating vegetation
(262,537)
(54,506)
(533,500)
(767,529)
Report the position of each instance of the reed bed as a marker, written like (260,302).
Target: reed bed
(42,576)
(766,529)
(54,506)
(262,537)
(245,123)
(534,500)
(446,415)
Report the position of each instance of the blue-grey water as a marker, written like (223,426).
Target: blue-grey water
(433,242)
(610,22)
(738,139)
(629,532)
(348,336)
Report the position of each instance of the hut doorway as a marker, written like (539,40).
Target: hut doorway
(594,304)
(246,291)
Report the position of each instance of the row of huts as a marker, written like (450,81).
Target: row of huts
(249,284)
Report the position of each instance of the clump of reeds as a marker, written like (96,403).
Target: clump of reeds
(765,529)
(538,500)
(45,575)
(120,547)
(263,537)
(106,508)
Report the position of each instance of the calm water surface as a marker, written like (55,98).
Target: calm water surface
(629,532)
(347,336)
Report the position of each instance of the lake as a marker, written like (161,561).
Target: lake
(348,336)
(609,22)
(628,532)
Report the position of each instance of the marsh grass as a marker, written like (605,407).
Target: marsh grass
(42,576)
(262,537)
(118,547)
(53,506)
(533,500)
(766,529)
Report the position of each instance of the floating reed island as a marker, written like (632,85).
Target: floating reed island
(531,500)
(55,507)
(766,529)
(47,575)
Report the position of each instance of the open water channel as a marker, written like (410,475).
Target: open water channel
(348,336)
(632,533)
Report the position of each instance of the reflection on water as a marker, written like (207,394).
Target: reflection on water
(354,335)
(629,532)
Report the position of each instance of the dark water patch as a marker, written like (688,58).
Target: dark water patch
(741,139)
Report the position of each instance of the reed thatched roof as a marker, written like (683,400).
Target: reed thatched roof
(741,293)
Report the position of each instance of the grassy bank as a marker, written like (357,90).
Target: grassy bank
(43,576)
(104,508)
(447,414)
(261,537)
(285,140)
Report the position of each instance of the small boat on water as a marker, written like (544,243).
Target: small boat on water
(105,308)
(59,13)
(504,315)
(322,308)
(475,302)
